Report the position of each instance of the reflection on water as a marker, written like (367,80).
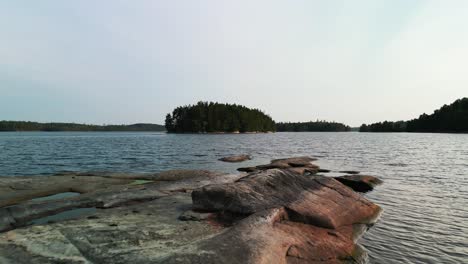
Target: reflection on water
(424,195)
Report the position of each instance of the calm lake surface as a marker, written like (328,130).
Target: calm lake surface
(425,194)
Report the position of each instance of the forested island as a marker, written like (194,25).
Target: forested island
(35,126)
(317,126)
(210,117)
(451,118)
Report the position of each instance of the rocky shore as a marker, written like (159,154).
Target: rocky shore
(282,212)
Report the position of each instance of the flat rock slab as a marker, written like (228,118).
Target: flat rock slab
(18,189)
(147,232)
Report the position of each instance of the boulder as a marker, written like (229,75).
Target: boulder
(236,158)
(359,183)
(318,200)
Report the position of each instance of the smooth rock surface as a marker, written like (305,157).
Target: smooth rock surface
(316,200)
(236,158)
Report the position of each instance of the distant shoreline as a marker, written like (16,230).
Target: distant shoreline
(27,126)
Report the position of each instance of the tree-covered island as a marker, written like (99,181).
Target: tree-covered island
(210,117)
(451,118)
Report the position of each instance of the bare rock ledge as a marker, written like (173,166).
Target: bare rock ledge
(279,213)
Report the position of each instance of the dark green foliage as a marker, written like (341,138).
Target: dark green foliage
(208,117)
(34,126)
(449,118)
(386,126)
(317,126)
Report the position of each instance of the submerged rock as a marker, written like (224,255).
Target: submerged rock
(359,183)
(350,172)
(236,158)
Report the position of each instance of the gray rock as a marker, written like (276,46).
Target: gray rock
(236,158)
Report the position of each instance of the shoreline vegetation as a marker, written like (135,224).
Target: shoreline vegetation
(317,126)
(219,118)
(20,126)
(451,118)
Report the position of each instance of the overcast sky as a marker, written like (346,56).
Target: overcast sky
(133,61)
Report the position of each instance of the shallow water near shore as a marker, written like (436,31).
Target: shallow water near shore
(424,194)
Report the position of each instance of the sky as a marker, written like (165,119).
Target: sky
(121,62)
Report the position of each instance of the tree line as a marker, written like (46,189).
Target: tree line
(451,118)
(35,126)
(317,126)
(210,117)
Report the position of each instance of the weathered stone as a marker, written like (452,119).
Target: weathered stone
(359,183)
(163,184)
(300,165)
(236,158)
(17,189)
(269,216)
(320,201)
(115,236)
(194,216)
(295,161)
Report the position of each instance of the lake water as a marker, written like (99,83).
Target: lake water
(425,194)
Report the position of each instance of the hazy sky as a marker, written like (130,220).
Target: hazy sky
(134,61)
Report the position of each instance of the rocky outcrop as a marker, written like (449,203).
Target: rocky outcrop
(282,212)
(318,200)
(119,191)
(236,158)
(359,183)
(272,215)
(300,165)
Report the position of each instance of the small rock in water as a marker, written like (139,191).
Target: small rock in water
(236,158)
(359,183)
(349,172)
